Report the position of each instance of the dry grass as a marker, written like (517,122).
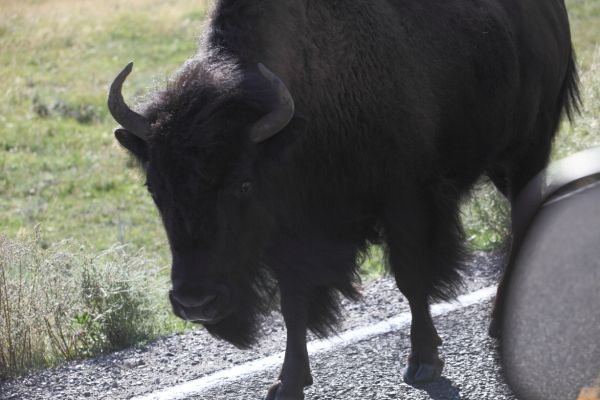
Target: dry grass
(63,176)
(65,302)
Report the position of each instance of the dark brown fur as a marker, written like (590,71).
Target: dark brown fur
(401,105)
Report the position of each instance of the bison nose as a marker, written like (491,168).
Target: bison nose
(196,306)
(189,301)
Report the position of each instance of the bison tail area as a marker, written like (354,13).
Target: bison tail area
(569,99)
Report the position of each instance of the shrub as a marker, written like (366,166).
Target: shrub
(486,218)
(63,302)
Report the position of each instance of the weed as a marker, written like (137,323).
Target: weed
(63,302)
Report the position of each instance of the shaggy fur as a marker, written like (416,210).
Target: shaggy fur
(401,105)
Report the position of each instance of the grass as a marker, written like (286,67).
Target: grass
(66,302)
(62,177)
(83,251)
(59,165)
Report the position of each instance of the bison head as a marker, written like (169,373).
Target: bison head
(198,143)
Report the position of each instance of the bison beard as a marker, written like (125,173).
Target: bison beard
(305,131)
(241,327)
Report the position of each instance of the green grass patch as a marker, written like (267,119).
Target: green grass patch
(60,167)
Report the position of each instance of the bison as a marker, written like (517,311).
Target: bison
(303,131)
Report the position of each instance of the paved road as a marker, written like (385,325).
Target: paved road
(369,369)
(372,368)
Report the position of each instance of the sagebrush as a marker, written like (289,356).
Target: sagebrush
(66,302)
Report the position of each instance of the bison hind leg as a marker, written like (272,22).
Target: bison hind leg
(425,243)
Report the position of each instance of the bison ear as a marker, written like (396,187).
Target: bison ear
(131,142)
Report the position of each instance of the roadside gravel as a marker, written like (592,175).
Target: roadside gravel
(182,357)
(372,369)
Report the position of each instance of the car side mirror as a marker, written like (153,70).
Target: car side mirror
(550,341)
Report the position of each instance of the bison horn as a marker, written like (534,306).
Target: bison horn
(280,115)
(129,119)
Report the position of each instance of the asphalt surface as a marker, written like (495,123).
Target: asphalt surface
(370,369)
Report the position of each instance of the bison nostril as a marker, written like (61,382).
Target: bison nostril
(198,306)
(190,301)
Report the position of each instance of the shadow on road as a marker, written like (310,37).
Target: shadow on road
(442,389)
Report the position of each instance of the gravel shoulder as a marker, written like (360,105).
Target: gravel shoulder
(182,357)
(372,369)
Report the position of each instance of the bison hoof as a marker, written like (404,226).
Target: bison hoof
(422,373)
(277,392)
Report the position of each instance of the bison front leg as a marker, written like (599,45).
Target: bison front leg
(424,363)
(295,372)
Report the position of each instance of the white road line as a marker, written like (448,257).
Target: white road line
(393,324)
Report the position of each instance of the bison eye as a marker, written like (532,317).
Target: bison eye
(246,187)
